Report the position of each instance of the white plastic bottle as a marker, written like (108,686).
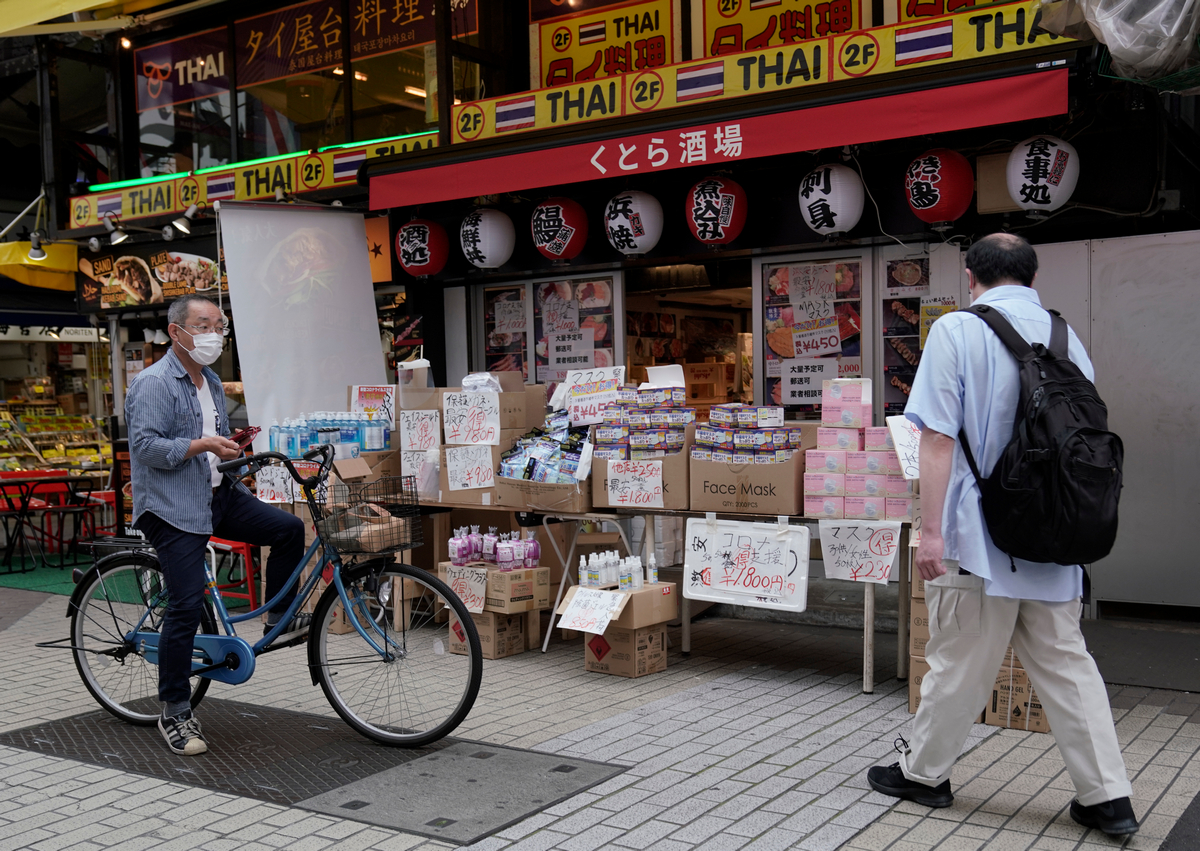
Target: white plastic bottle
(584,573)
(652,571)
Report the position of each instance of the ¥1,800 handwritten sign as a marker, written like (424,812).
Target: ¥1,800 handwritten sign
(470,584)
(635,483)
(811,282)
(906,437)
(273,484)
(420,430)
(860,550)
(748,564)
(590,390)
(590,610)
(469,467)
(472,418)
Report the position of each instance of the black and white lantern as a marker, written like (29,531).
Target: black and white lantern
(633,222)
(1042,173)
(487,237)
(831,199)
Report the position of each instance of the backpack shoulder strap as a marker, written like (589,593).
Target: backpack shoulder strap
(1008,335)
(1058,335)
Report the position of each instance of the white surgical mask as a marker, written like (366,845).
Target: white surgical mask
(206,348)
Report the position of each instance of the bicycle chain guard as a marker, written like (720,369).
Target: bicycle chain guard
(236,654)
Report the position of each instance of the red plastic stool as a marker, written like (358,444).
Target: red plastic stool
(250,580)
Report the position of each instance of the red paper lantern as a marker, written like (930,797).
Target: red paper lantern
(422,247)
(939,185)
(715,210)
(560,228)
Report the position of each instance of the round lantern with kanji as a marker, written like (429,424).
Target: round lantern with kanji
(487,237)
(560,228)
(422,247)
(633,222)
(715,210)
(1042,172)
(831,199)
(939,185)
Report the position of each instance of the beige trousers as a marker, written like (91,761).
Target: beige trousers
(968,634)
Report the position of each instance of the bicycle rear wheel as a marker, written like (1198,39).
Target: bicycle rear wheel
(127,592)
(416,692)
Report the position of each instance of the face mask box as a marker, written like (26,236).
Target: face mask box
(846,391)
(898,508)
(873,463)
(860,484)
(878,439)
(846,439)
(824,484)
(865,508)
(845,415)
(825,461)
(827,507)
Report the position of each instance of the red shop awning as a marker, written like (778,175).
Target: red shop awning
(940,110)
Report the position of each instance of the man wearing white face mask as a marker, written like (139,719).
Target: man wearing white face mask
(178,433)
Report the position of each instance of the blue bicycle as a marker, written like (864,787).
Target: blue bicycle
(382,645)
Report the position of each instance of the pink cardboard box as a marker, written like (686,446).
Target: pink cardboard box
(825,484)
(828,507)
(843,415)
(878,439)
(825,460)
(860,484)
(867,462)
(846,390)
(865,508)
(840,438)
(892,464)
(899,487)
(897,508)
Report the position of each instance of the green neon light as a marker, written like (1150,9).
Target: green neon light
(125,184)
(375,141)
(245,163)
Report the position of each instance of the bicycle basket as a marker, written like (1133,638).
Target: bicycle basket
(374,517)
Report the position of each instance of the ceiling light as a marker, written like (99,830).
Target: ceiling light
(126,43)
(338,71)
(183,224)
(36,252)
(360,76)
(53,332)
(415,92)
(115,234)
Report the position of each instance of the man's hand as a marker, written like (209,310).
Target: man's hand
(222,447)
(929,556)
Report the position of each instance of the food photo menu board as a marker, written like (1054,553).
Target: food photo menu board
(812,329)
(504,318)
(906,283)
(573,327)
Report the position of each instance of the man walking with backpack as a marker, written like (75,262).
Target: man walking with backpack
(968,391)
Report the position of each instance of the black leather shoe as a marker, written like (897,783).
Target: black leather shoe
(1115,817)
(891,781)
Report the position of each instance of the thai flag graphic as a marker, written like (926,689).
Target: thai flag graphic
(221,187)
(923,43)
(701,81)
(108,205)
(345,165)
(589,33)
(516,114)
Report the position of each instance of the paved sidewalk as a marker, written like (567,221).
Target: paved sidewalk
(759,740)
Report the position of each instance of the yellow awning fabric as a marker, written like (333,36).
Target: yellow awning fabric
(15,14)
(56,272)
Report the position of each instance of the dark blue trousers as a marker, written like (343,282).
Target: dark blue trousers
(238,516)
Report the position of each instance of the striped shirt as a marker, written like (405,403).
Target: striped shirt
(163,415)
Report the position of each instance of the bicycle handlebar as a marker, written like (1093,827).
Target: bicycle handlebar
(324,451)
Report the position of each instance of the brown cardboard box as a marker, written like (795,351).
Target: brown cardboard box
(512,591)
(73,403)
(474,496)
(748,488)
(627,652)
(918,627)
(675,468)
(521,495)
(1015,704)
(649,605)
(521,407)
(917,585)
(499,635)
(917,669)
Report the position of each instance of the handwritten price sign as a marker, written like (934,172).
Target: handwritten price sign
(424,466)
(814,337)
(469,467)
(811,282)
(591,610)
(470,584)
(860,550)
(635,483)
(273,484)
(764,565)
(420,430)
(472,418)
(906,437)
(510,317)
(559,316)
(590,390)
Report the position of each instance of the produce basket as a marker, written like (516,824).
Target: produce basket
(375,517)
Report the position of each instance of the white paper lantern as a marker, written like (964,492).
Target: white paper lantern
(1042,173)
(831,199)
(487,237)
(633,222)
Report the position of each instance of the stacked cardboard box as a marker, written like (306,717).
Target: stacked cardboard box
(845,413)
(744,480)
(635,642)
(522,594)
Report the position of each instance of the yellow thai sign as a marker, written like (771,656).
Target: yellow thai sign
(994,31)
(297,174)
(734,26)
(608,43)
(923,10)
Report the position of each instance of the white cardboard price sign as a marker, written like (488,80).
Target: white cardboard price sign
(572,350)
(635,483)
(811,282)
(470,584)
(273,484)
(906,437)
(510,317)
(424,466)
(764,565)
(472,418)
(802,377)
(469,467)
(559,316)
(591,610)
(860,550)
(420,430)
(590,390)
(814,337)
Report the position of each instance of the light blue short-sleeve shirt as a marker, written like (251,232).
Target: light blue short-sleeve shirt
(968,379)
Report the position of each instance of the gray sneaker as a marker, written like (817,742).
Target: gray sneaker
(297,627)
(183,734)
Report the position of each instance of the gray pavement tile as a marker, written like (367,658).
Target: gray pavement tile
(592,838)
(648,835)
(776,839)
(827,838)
(755,823)
(808,819)
(699,831)
(631,816)
(542,840)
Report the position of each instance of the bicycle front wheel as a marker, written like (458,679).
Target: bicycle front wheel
(126,593)
(413,682)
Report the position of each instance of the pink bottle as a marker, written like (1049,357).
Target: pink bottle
(533,550)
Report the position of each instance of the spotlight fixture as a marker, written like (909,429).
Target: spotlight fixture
(115,234)
(36,252)
(183,224)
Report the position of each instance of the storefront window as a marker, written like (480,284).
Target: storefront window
(391,94)
(812,329)
(293,114)
(573,325)
(505,345)
(83,107)
(906,285)
(184,137)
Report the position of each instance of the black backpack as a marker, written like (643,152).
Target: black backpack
(1052,496)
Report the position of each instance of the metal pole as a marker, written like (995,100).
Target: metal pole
(117,365)
(868,637)
(21,215)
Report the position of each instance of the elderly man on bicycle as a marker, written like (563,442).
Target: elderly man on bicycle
(178,433)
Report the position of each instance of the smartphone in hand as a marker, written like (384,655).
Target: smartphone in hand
(243,437)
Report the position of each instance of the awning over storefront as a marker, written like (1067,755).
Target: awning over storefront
(56,272)
(870,119)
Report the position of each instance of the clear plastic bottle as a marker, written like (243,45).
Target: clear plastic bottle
(273,436)
(584,573)
(302,436)
(652,571)
(314,425)
(625,577)
(638,579)
(349,427)
(373,441)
